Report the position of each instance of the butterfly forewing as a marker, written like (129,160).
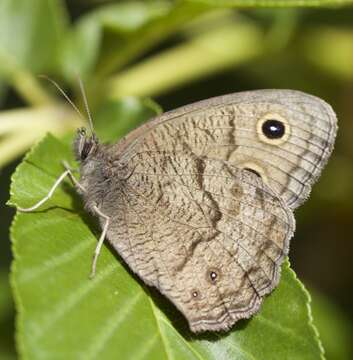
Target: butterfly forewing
(231,128)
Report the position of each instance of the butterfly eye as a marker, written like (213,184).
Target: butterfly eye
(273,129)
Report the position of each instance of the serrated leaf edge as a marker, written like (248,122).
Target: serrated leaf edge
(13,268)
(17,299)
(19,167)
(309,310)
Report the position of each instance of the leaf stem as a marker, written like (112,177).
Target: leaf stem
(20,128)
(30,89)
(27,85)
(208,53)
(272,3)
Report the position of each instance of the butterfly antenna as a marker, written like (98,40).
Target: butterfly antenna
(86,104)
(64,95)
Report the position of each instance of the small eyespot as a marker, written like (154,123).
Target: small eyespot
(195,295)
(273,129)
(255,168)
(213,276)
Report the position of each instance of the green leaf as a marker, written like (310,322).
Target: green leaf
(131,16)
(30,35)
(79,49)
(37,26)
(113,33)
(115,118)
(64,314)
(126,30)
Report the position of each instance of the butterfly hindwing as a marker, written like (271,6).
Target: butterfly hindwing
(208,235)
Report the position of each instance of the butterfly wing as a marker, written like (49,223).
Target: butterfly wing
(233,128)
(191,219)
(210,236)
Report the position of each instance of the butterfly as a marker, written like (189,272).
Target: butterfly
(199,201)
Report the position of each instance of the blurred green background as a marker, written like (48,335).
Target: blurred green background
(178,52)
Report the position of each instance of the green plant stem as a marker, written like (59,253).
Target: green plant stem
(273,3)
(20,128)
(205,54)
(26,85)
(30,89)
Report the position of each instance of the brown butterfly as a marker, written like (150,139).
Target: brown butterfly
(199,201)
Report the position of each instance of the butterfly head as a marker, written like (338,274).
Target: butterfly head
(85,145)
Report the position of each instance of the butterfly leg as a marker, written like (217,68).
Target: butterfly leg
(49,195)
(67,172)
(100,241)
(72,178)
